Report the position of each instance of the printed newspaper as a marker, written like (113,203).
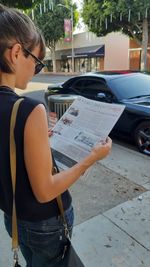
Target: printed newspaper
(85,123)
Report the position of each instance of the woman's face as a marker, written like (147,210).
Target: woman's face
(25,68)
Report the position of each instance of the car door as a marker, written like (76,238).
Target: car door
(97,89)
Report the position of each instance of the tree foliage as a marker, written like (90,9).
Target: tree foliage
(51,22)
(21,4)
(132,17)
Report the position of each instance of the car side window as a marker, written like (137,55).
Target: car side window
(93,87)
(78,85)
(72,86)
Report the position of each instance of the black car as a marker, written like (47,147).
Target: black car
(131,89)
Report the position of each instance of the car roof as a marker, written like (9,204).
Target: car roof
(110,76)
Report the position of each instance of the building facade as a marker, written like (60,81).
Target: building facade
(135,56)
(91,53)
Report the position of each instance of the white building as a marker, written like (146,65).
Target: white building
(92,53)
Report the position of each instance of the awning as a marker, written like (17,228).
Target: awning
(91,51)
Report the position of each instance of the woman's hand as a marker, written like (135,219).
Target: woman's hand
(102,149)
(50,132)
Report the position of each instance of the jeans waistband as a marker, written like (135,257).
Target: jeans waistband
(53,220)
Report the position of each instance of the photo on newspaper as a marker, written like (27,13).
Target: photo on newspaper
(84,124)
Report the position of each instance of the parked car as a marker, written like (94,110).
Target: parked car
(130,89)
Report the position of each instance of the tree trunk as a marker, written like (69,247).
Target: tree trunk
(144,44)
(54,65)
(54,59)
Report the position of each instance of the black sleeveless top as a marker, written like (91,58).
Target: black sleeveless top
(28,208)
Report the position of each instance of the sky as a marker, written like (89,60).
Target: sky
(80,27)
(78,3)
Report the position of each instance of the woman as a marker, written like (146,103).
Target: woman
(41,233)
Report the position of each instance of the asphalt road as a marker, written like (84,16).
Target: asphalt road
(50,78)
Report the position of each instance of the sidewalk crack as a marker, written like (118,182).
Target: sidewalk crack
(126,233)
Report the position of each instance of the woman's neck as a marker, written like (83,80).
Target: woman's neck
(7,79)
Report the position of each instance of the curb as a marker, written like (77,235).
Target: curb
(61,73)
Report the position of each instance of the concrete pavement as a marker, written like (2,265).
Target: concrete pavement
(120,236)
(32,87)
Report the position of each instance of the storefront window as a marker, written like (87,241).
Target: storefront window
(87,64)
(49,65)
(77,64)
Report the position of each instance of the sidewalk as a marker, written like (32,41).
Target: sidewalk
(114,230)
(120,236)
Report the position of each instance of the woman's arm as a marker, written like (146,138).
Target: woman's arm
(38,159)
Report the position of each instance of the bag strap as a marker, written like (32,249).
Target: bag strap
(55,170)
(59,199)
(61,208)
(13,172)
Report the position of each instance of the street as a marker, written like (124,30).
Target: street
(51,78)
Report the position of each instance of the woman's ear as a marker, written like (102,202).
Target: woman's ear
(15,53)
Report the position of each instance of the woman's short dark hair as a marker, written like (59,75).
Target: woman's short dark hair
(15,26)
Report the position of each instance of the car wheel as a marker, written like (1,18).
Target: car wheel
(142,137)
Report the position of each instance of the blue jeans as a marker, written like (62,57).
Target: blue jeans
(42,243)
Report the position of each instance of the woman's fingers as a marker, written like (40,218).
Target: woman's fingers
(102,149)
(50,132)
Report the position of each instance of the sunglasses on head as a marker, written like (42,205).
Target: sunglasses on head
(39,64)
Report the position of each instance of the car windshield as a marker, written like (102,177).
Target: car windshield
(130,86)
